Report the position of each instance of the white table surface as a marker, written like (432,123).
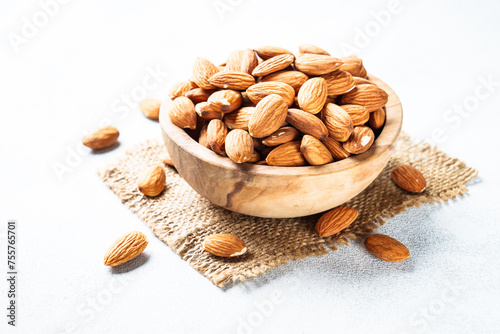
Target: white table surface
(71,76)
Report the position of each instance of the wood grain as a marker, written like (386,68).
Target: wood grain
(280,192)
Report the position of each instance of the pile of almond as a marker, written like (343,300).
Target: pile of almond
(270,107)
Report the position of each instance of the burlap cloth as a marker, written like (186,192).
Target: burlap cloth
(182,219)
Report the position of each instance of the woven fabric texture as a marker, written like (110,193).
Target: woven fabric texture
(182,219)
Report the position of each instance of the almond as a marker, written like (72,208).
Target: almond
(202,139)
(234,60)
(287,154)
(102,138)
(273,64)
(224,245)
(269,114)
(370,96)
(360,141)
(216,135)
(125,248)
(239,119)
(293,78)
(336,220)
(259,91)
(377,119)
(314,151)
(338,82)
(307,123)
(314,64)
(266,52)
(282,135)
(258,145)
(249,61)
(359,114)
(386,248)
(150,108)
(337,121)
(362,81)
(198,95)
(203,70)
(182,113)
(409,178)
(232,80)
(312,95)
(206,111)
(353,65)
(335,148)
(151,181)
(239,146)
(179,89)
(309,48)
(225,101)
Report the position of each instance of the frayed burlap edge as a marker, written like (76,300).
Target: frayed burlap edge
(184,232)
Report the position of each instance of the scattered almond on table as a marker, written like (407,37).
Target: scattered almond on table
(224,245)
(125,248)
(386,248)
(102,138)
(409,178)
(151,181)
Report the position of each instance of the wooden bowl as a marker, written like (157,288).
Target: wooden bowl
(280,192)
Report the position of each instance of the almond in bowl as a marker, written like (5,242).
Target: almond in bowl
(284,136)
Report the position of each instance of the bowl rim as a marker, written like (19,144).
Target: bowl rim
(385,140)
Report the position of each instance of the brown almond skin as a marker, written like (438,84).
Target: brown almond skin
(370,96)
(336,220)
(310,48)
(314,151)
(224,245)
(360,140)
(314,64)
(353,65)
(409,178)
(202,139)
(273,64)
(203,70)
(233,62)
(335,148)
(182,113)
(151,181)
(255,157)
(216,135)
(281,136)
(102,138)
(386,248)
(179,89)
(377,119)
(198,95)
(225,101)
(312,95)
(362,81)
(239,119)
(307,123)
(268,117)
(287,154)
(359,114)
(207,112)
(232,80)
(262,89)
(125,248)
(337,121)
(239,146)
(293,78)
(338,82)
(249,61)
(150,108)
(266,52)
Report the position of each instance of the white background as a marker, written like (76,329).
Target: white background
(69,76)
